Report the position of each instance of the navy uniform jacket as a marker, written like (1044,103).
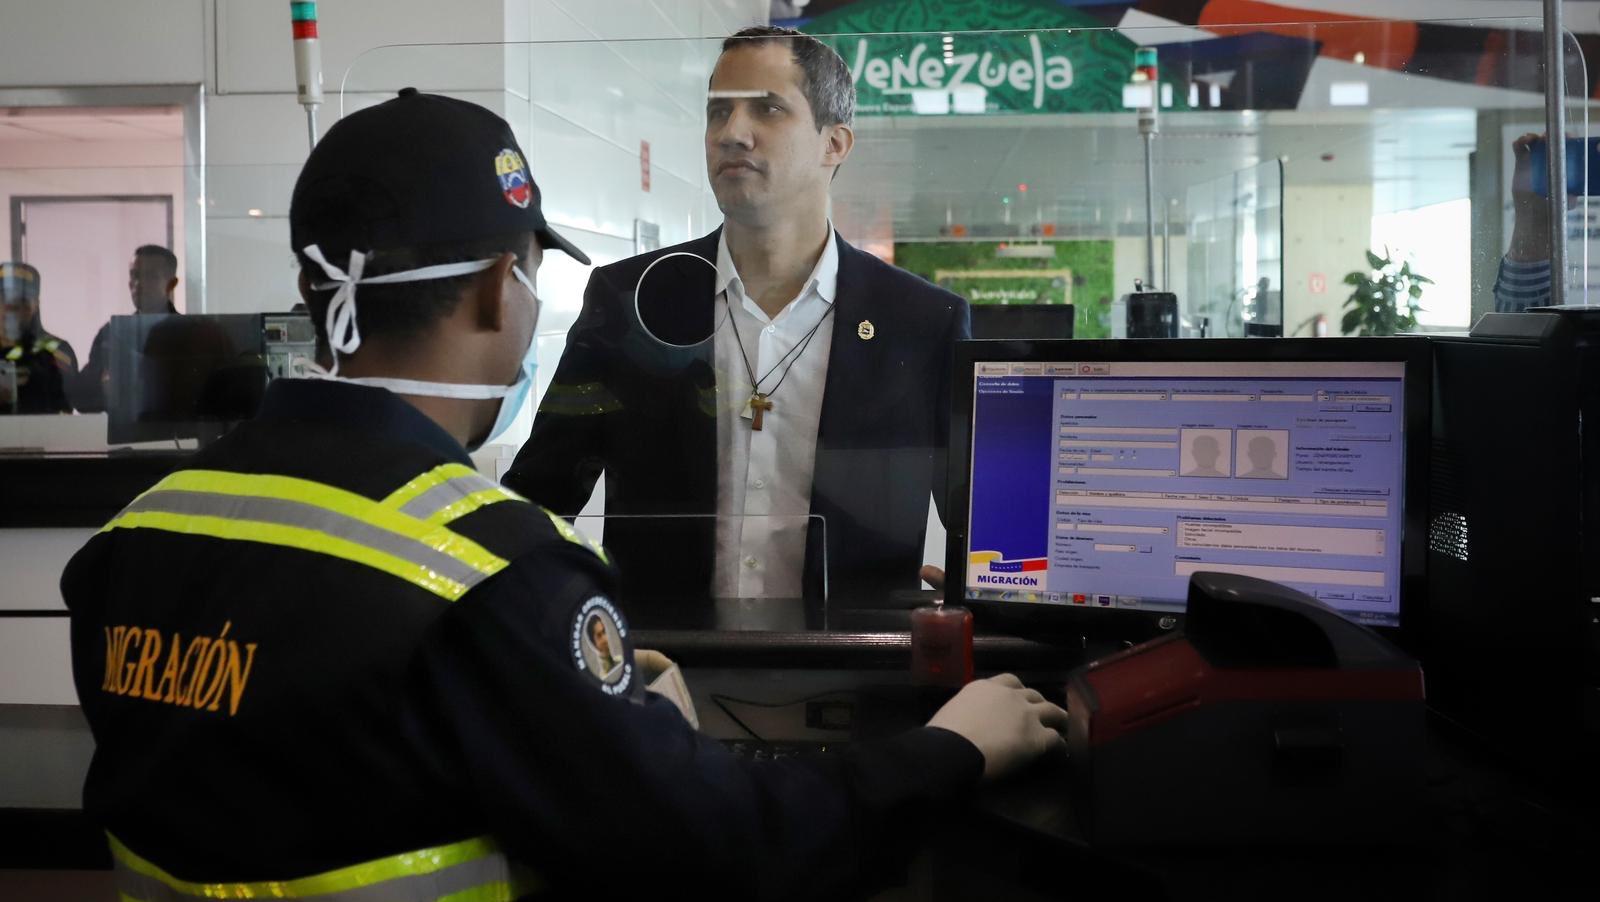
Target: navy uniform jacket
(46,365)
(343,707)
(644,415)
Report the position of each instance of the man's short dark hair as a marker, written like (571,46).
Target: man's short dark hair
(824,78)
(407,309)
(156,251)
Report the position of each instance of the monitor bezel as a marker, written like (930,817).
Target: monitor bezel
(1415,352)
(1066,312)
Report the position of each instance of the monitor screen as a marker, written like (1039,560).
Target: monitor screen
(1103,483)
(193,376)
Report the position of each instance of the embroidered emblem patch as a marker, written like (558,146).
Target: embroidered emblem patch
(514,181)
(598,649)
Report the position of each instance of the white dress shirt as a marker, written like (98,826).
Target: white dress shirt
(764,478)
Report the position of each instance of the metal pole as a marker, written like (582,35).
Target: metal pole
(1166,246)
(1147,74)
(307,62)
(1149,211)
(1555,145)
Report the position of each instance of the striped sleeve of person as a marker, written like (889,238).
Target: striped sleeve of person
(1520,285)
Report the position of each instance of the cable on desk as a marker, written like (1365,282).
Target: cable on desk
(721,701)
(788,704)
(717,700)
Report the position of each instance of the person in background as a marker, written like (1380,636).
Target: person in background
(35,366)
(1524,277)
(152,283)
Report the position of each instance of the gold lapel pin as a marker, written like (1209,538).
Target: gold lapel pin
(866,330)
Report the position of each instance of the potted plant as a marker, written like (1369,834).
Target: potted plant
(1384,301)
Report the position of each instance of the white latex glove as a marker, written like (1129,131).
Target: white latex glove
(662,676)
(1009,723)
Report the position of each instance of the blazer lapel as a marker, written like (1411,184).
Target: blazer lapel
(700,426)
(853,366)
(849,359)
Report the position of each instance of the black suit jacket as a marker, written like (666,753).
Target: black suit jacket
(644,414)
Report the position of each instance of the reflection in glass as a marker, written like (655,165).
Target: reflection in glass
(171,377)
(1235,245)
(36,367)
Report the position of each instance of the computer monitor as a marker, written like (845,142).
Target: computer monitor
(991,321)
(1091,478)
(178,376)
(1512,646)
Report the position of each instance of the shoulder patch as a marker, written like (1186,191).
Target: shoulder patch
(599,646)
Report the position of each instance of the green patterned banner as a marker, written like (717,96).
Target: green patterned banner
(1075,272)
(898,48)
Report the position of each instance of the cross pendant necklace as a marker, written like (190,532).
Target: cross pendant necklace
(758,405)
(760,402)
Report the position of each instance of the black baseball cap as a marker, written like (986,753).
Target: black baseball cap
(419,169)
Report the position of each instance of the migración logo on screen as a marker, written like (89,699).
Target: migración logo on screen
(990,568)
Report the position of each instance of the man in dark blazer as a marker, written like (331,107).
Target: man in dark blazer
(823,387)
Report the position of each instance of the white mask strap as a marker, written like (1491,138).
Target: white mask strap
(454,390)
(344,337)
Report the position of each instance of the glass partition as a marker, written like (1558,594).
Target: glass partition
(1235,242)
(775,564)
(146,338)
(1045,163)
(1262,173)
(1008,164)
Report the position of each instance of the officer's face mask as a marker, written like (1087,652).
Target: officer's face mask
(344,337)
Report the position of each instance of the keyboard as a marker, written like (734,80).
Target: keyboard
(777,750)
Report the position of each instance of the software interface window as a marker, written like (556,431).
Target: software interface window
(1106,484)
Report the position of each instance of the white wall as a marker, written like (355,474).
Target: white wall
(1326,229)
(256,131)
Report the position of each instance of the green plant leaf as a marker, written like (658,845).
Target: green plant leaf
(1376,261)
(1351,322)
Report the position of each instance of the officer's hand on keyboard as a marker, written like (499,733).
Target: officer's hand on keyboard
(1008,722)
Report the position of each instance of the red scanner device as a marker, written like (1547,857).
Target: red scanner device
(1270,719)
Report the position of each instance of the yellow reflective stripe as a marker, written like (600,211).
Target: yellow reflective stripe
(587,398)
(292,537)
(435,477)
(408,864)
(471,503)
(570,533)
(339,501)
(499,891)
